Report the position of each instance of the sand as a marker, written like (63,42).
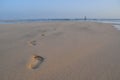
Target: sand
(71,51)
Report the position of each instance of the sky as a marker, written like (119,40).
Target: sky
(36,9)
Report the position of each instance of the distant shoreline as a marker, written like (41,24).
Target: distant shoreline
(113,21)
(57,19)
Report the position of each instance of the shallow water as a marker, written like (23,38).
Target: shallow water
(117,27)
(116,24)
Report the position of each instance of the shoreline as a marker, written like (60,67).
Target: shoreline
(116,25)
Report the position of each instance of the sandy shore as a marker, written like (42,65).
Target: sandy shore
(71,51)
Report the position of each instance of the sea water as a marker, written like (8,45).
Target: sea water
(115,23)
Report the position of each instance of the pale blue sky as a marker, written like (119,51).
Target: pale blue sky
(27,9)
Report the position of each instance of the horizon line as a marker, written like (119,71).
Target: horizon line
(60,19)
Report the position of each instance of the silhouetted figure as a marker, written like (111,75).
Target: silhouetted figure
(85,18)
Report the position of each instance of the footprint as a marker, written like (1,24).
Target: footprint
(33,43)
(42,34)
(35,62)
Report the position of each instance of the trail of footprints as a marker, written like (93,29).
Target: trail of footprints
(35,60)
(43,35)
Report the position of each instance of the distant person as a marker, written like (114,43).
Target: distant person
(85,18)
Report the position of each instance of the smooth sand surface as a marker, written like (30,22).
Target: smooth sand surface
(71,51)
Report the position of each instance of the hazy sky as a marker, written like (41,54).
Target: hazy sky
(23,9)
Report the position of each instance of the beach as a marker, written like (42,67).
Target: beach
(70,50)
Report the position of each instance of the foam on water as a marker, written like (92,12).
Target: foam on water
(117,27)
(116,24)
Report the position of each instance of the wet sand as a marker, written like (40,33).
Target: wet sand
(71,51)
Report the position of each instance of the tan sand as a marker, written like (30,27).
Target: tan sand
(71,51)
